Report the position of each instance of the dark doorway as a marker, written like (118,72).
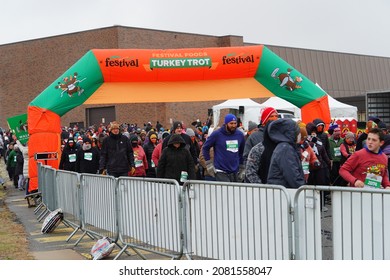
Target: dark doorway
(99,115)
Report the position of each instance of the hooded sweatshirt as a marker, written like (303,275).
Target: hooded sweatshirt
(69,157)
(174,161)
(285,166)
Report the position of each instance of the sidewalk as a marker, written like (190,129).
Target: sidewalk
(42,247)
(53,246)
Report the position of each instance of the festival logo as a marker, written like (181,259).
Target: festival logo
(70,85)
(287,80)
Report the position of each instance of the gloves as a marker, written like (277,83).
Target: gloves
(241,173)
(210,168)
(132,171)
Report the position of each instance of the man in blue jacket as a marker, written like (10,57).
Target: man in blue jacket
(228,144)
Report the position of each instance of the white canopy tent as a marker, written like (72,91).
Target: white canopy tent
(281,104)
(338,110)
(251,110)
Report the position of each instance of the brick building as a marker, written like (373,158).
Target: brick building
(28,67)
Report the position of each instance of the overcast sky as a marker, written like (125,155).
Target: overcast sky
(350,26)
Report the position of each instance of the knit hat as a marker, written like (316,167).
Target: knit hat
(79,139)
(349,135)
(114,124)
(230,118)
(176,125)
(190,132)
(382,125)
(375,119)
(318,122)
(265,113)
(87,140)
(251,126)
(165,134)
(134,138)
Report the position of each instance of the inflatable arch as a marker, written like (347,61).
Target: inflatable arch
(176,75)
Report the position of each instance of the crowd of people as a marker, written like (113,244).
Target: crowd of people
(275,151)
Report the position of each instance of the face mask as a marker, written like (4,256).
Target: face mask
(134,144)
(86,146)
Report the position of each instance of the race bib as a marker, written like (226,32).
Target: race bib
(232,146)
(183,176)
(88,156)
(138,163)
(305,166)
(373,181)
(72,158)
(337,152)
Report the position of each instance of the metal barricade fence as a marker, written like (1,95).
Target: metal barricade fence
(41,171)
(98,206)
(358,223)
(48,190)
(234,221)
(150,216)
(218,220)
(68,198)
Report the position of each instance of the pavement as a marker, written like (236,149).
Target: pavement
(53,246)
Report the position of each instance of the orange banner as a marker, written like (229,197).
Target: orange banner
(135,65)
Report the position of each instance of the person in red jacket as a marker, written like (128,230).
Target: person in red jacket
(368,160)
(140,160)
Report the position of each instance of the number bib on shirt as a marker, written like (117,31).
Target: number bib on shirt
(337,152)
(72,158)
(232,146)
(88,156)
(373,181)
(305,167)
(183,176)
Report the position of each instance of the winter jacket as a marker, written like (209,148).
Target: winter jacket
(334,146)
(285,167)
(228,149)
(157,153)
(188,144)
(174,161)
(11,160)
(253,165)
(68,158)
(323,137)
(149,148)
(88,161)
(253,139)
(140,161)
(19,163)
(116,154)
(24,150)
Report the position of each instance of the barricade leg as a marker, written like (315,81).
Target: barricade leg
(124,251)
